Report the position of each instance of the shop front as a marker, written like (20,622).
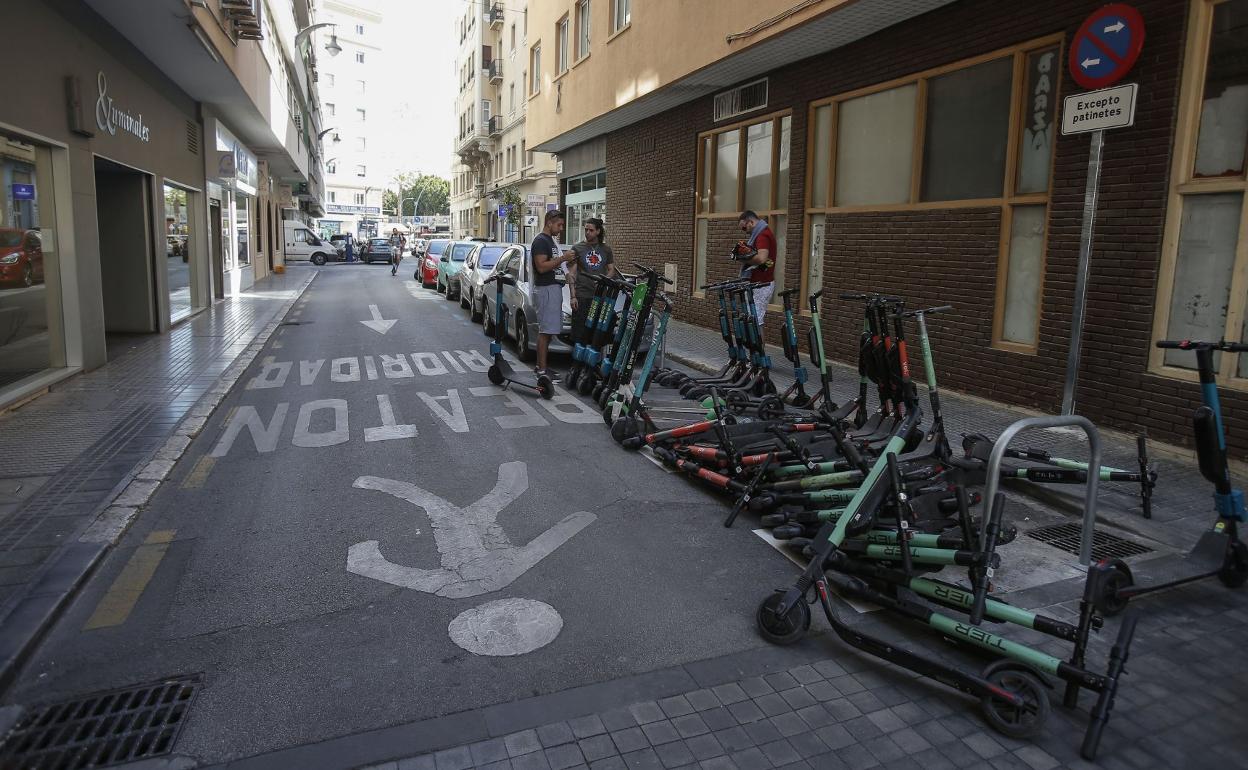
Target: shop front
(234,206)
(101,195)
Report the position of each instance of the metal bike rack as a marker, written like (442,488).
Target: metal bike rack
(1094,472)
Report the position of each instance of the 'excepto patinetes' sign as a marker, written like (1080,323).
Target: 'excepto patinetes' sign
(1097,110)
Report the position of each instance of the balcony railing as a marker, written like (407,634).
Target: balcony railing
(495,14)
(496,126)
(495,70)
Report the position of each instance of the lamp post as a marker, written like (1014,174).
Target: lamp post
(331,47)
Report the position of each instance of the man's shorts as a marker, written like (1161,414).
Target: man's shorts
(549,301)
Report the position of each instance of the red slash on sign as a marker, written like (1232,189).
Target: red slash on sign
(1106,46)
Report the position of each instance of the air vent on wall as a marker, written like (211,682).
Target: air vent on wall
(740,100)
(192,137)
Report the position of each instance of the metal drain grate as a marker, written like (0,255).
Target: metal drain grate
(1065,537)
(102,729)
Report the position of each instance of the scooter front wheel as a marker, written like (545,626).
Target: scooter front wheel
(782,629)
(1108,583)
(1234,572)
(495,374)
(1016,721)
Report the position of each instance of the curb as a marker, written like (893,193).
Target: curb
(40,602)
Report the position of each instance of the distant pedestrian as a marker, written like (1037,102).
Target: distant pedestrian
(761,266)
(547,293)
(396,250)
(593,257)
(350,249)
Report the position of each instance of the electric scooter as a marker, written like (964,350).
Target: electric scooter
(500,372)
(1219,552)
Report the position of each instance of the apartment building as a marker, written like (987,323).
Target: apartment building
(915,149)
(353,105)
(493,162)
(146,173)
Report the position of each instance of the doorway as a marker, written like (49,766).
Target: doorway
(214,244)
(124,223)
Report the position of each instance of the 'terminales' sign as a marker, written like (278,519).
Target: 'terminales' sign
(1098,110)
(110,117)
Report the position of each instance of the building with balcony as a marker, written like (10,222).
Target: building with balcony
(913,149)
(148,153)
(353,106)
(493,163)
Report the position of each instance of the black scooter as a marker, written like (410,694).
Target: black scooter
(500,372)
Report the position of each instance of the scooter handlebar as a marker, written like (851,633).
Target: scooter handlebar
(1233,347)
(927,311)
(655,273)
(505,280)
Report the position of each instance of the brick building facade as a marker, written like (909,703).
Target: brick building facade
(931,254)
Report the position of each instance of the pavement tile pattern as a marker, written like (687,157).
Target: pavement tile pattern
(1181,705)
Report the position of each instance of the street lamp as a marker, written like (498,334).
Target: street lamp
(331,47)
(321,135)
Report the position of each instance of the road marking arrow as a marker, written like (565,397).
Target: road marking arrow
(477,556)
(1085,64)
(377,324)
(1116,27)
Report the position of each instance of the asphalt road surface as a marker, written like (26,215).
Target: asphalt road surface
(362,493)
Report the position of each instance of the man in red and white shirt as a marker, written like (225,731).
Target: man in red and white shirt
(763,274)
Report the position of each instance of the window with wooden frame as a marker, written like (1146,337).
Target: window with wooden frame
(977,133)
(1203,282)
(743,166)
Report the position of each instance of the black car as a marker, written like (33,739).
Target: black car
(376,250)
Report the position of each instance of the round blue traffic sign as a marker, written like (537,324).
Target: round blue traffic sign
(1106,46)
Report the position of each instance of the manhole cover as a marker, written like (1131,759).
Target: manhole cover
(102,729)
(1066,537)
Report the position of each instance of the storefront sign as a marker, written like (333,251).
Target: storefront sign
(1096,110)
(23,192)
(1106,46)
(109,117)
(346,208)
(245,168)
(533,199)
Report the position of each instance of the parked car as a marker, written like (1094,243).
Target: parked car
(21,257)
(450,264)
(376,250)
(427,273)
(480,263)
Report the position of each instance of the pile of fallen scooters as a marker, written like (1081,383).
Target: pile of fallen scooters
(876,499)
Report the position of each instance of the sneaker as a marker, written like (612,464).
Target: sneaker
(549,374)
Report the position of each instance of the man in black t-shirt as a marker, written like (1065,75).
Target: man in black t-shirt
(547,292)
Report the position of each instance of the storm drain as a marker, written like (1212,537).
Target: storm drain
(101,729)
(1065,537)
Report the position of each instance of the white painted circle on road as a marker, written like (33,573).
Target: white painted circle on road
(506,627)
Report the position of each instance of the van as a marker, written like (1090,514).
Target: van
(303,244)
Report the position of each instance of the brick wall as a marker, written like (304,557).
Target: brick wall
(950,256)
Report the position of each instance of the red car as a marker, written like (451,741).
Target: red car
(21,257)
(427,274)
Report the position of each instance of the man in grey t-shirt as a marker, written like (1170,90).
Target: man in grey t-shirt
(593,257)
(547,292)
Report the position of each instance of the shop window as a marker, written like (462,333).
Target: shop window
(178,243)
(968,119)
(961,135)
(1203,282)
(875,146)
(31,330)
(745,166)
(242,230)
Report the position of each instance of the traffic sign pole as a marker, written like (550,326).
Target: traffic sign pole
(1090,194)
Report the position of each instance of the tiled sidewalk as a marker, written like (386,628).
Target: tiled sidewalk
(1180,705)
(1182,500)
(70,452)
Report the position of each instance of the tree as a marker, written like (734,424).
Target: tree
(431,194)
(510,197)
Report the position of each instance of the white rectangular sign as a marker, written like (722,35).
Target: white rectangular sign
(1096,110)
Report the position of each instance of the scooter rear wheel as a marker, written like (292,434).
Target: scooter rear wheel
(545,388)
(585,386)
(1016,721)
(495,375)
(1234,572)
(1106,587)
(770,408)
(574,377)
(786,629)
